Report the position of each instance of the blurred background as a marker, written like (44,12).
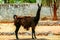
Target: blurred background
(29,8)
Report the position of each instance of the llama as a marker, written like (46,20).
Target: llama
(27,22)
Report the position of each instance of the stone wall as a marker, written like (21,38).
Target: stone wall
(8,10)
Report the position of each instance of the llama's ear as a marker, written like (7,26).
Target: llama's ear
(38,4)
(41,4)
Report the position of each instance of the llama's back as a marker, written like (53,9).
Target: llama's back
(26,21)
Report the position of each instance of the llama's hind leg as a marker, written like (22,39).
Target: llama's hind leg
(32,34)
(16,32)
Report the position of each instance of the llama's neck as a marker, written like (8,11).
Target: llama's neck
(38,14)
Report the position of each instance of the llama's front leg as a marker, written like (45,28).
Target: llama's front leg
(16,33)
(33,34)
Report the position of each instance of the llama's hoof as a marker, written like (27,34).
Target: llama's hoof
(17,39)
(32,38)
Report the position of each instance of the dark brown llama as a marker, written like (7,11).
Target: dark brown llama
(27,22)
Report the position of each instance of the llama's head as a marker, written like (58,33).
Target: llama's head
(39,6)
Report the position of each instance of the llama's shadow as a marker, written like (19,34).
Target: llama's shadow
(31,39)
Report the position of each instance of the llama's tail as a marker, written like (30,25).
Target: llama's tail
(15,16)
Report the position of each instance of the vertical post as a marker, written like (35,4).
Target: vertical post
(54,10)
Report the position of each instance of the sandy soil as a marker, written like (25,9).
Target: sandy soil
(10,28)
(24,37)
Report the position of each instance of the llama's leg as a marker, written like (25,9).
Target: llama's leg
(16,32)
(33,33)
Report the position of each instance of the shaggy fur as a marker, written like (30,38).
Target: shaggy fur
(27,22)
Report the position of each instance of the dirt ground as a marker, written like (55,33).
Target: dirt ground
(6,28)
(24,37)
